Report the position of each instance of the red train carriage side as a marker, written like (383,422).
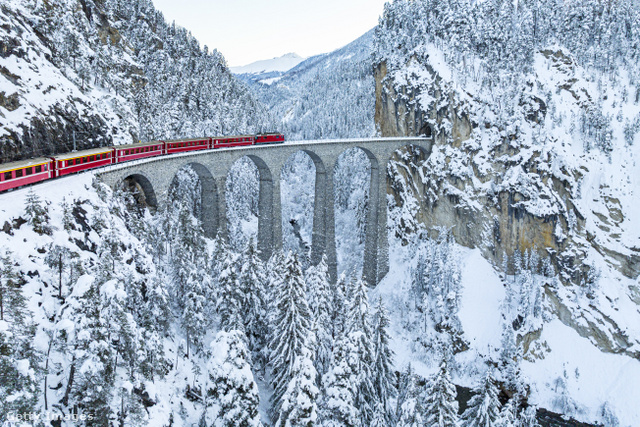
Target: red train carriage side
(17,174)
(233,141)
(138,151)
(181,145)
(65,164)
(270,138)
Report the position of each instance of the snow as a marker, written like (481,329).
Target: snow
(282,64)
(594,377)
(482,295)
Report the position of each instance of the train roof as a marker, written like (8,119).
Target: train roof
(187,139)
(83,153)
(23,164)
(137,144)
(233,136)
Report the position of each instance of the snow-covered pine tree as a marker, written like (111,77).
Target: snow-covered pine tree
(528,418)
(299,403)
(338,407)
(440,405)
(37,214)
(360,334)
(410,410)
(509,415)
(291,329)
(484,406)
(19,367)
(232,397)
(320,301)
(340,304)
(229,296)
(84,341)
(252,282)
(382,368)
(193,313)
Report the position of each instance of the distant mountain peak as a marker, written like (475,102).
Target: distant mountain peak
(280,64)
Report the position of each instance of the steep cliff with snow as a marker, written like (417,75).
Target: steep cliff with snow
(535,116)
(80,74)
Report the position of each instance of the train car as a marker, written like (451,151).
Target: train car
(181,145)
(17,174)
(65,164)
(270,138)
(233,141)
(138,151)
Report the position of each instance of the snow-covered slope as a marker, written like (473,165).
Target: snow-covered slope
(325,96)
(90,73)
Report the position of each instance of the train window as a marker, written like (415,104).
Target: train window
(18,173)
(38,168)
(29,171)
(7,176)
(84,160)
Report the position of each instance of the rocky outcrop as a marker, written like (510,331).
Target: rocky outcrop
(498,196)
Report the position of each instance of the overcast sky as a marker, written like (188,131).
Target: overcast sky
(250,30)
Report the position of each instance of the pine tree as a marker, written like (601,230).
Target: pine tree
(339,407)
(36,214)
(229,296)
(320,303)
(441,407)
(299,407)
(484,405)
(91,376)
(360,334)
(252,281)
(382,369)
(291,329)
(19,362)
(232,397)
(410,409)
(509,415)
(193,314)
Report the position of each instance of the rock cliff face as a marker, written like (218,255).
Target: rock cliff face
(496,192)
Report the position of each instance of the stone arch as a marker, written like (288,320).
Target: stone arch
(208,214)
(142,189)
(265,238)
(373,228)
(320,216)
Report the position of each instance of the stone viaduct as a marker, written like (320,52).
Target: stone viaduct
(155,176)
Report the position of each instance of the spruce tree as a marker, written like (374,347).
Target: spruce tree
(291,329)
(484,405)
(36,214)
(299,407)
(359,332)
(410,409)
(229,296)
(441,407)
(339,406)
(252,282)
(232,397)
(320,301)
(19,361)
(382,369)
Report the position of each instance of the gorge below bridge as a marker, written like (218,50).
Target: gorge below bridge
(155,176)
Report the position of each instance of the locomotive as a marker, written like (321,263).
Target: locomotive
(25,172)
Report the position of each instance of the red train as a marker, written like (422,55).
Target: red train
(18,174)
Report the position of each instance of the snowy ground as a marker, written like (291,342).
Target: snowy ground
(592,377)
